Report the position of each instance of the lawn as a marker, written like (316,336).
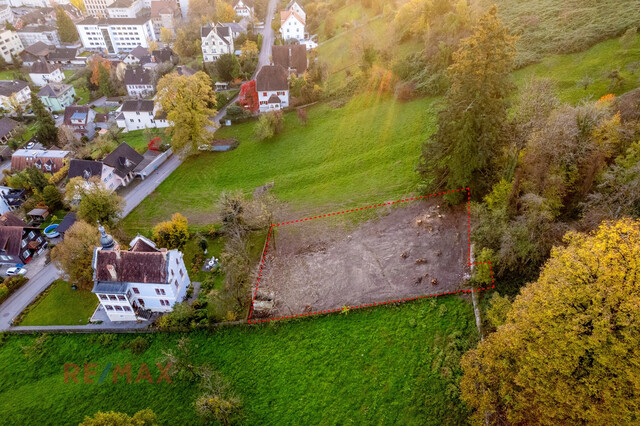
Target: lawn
(83,94)
(7,75)
(363,152)
(137,140)
(68,74)
(61,305)
(385,365)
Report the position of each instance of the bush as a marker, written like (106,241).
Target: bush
(105,340)
(11,284)
(138,345)
(404,91)
(270,124)
(181,316)
(59,175)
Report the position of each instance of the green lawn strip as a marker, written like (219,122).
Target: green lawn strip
(61,305)
(83,94)
(68,74)
(385,365)
(137,140)
(361,153)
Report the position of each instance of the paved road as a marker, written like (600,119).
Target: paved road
(41,276)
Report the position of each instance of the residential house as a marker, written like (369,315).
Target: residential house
(138,56)
(138,82)
(32,34)
(11,199)
(272,85)
(67,222)
(64,56)
(122,162)
(294,6)
(292,25)
(116,35)
(140,114)
(80,119)
(19,242)
(216,41)
(47,160)
(57,96)
(184,8)
(244,8)
(13,92)
(102,121)
(165,14)
(35,52)
(86,169)
(10,45)
(291,57)
(7,129)
(6,15)
(235,28)
(39,16)
(131,284)
(42,73)
(166,54)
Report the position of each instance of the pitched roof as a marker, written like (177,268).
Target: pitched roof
(273,99)
(9,87)
(163,7)
(137,106)
(36,29)
(75,112)
(143,245)
(54,89)
(63,54)
(131,266)
(137,76)
(272,77)
(6,126)
(42,67)
(163,55)
(66,223)
(248,3)
(123,159)
(290,56)
(39,49)
(285,14)
(9,219)
(84,169)
(184,70)
(139,52)
(222,31)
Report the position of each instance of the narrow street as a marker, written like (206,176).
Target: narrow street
(41,275)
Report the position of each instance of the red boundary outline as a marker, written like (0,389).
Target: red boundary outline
(469,263)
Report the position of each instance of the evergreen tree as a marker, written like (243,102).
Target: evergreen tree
(47,132)
(468,142)
(66,28)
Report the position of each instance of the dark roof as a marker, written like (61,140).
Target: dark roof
(39,49)
(75,109)
(9,219)
(139,52)
(131,266)
(123,159)
(290,56)
(273,99)
(221,30)
(101,118)
(272,77)
(42,67)
(84,169)
(137,76)
(54,89)
(11,239)
(120,4)
(36,28)
(184,70)
(163,55)
(66,223)
(137,106)
(246,3)
(6,126)
(63,54)
(9,87)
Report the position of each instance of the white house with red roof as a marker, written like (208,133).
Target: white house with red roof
(292,25)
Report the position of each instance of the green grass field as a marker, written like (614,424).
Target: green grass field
(363,152)
(385,365)
(62,305)
(138,141)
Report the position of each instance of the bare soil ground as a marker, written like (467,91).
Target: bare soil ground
(314,266)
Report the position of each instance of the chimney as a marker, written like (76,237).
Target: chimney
(117,251)
(112,272)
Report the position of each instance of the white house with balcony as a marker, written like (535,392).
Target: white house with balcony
(42,73)
(294,6)
(217,40)
(132,284)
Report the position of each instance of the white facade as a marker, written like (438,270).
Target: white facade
(139,90)
(291,26)
(267,105)
(97,7)
(116,35)
(295,7)
(137,120)
(216,41)
(31,34)
(6,15)
(123,9)
(10,44)
(41,80)
(184,8)
(22,96)
(243,9)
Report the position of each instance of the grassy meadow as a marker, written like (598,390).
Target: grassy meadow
(386,365)
(61,305)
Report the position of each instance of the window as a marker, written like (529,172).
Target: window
(128,309)
(24,243)
(136,291)
(108,307)
(112,297)
(141,302)
(160,291)
(166,302)
(161,302)
(118,308)
(25,254)
(181,273)
(103,296)
(121,297)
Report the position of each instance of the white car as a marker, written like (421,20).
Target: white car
(30,145)
(16,271)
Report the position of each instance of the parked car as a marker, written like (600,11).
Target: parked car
(30,145)
(16,271)
(55,116)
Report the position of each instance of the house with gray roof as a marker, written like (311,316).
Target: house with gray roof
(7,128)
(216,40)
(57,96)
(272,85)
(138,82)
(43,73)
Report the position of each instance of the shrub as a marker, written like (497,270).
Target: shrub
(270,124)
(404,91)
(105,340)
(138,345)
(59,175)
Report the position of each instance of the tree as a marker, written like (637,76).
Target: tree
(189,103)
(167,35)
(101,75)
(97,203)
(52,197)
(468,141)
(187,44)
(269,125)
(47,132)
(567,352)
(173,234)
(225,12)
(248,97)
(217,403)
(144,417)
(36,179)
(74,254)
(227,67)
(66,28)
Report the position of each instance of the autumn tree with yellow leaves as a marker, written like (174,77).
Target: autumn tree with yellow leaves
(568,351)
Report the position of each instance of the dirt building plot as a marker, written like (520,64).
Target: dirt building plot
(413,250)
